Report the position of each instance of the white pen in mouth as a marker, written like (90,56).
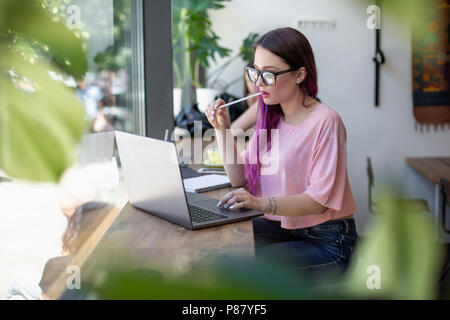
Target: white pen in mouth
(234,102)
(239,100)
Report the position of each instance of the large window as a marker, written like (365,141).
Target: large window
(112,91)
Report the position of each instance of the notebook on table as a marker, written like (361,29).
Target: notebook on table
(206,183)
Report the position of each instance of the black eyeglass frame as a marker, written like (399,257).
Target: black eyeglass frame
(276,74)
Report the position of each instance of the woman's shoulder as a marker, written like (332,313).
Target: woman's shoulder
(330,121)
(328,114)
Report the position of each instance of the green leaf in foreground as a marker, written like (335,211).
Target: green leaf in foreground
(402,246)
(29,20)
(39,129)
(221,278)
(41,121)
(401,250)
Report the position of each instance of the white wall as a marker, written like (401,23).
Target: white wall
(346,83)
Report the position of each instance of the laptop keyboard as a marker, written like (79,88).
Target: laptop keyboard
(202,215)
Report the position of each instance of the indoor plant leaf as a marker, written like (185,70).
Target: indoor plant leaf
(401,251)
(28,19)
(41,120)
(39,128)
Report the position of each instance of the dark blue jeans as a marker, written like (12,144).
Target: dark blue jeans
(325,247)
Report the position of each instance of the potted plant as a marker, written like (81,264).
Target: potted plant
(195,40)
(245,53)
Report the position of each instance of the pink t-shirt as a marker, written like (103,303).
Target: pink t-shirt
(312,159)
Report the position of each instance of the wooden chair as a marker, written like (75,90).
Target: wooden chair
(371,181)
(411,205)
(445,193)
(444,281)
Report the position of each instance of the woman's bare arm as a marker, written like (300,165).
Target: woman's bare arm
(291,206)
(246,121)
(232,160)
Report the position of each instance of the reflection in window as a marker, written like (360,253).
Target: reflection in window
(112,91)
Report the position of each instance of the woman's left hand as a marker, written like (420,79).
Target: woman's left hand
(240,198)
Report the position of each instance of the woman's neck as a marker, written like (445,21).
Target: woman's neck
(293,108)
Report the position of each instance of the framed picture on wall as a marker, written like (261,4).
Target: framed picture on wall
(430,66)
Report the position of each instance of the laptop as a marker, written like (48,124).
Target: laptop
(154,184)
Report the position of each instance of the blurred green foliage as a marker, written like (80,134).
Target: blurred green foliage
(401,245)
(404,248)
(41,121)
(232,278)
(406,13)
(117,56)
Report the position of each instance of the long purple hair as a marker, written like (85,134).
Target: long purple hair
(293,47)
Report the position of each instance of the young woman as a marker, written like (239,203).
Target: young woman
(307,201)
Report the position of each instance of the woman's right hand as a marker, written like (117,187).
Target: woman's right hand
(218,118)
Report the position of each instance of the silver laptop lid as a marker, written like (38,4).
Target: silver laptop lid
(153,178)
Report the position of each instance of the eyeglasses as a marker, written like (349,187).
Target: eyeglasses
(269,78)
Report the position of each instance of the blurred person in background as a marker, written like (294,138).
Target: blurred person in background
(101,122)
(90,96)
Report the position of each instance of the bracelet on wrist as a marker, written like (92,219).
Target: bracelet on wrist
(270,205)
(274,203)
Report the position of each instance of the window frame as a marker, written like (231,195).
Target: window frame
(158,55)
